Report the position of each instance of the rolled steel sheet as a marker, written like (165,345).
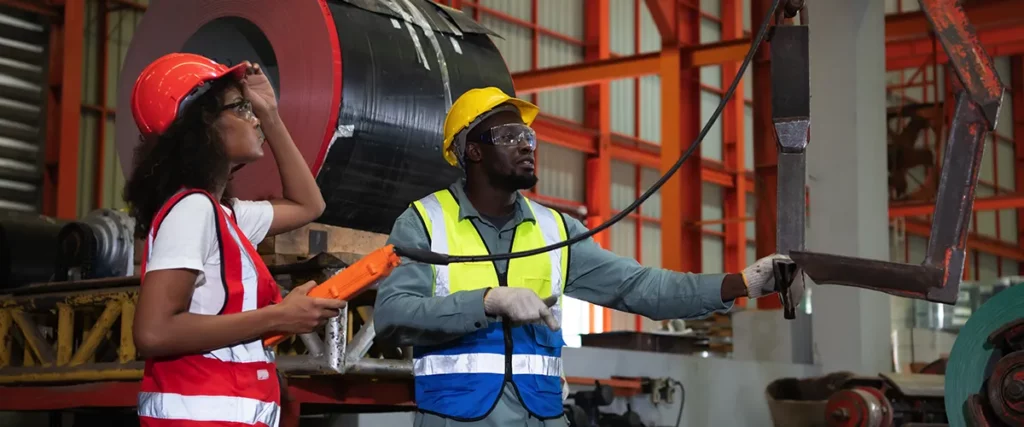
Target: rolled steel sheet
(28,247)
(363,86)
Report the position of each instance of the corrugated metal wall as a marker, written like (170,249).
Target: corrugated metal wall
(23,55)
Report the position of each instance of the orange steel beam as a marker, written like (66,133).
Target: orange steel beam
(765,152)
(597,100)
(990,203)
(1005,41)
(696,55)
(975,242)
(735,198)
(681,241)
(982,15)
(591,72)
(64,100)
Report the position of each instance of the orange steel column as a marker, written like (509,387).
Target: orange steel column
(597,99)
(735,203)
(765,151)
(1017,83)
(64,103)
(680,123)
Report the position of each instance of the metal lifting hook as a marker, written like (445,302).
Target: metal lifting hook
(978,101)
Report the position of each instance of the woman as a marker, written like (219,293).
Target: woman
(206,297)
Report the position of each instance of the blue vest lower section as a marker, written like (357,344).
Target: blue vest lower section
(463,379)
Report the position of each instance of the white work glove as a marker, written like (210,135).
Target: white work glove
(760,279)
(520,305)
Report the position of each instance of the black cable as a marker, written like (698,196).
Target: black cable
(429,257)
(682,400)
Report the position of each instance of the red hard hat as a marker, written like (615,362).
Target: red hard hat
(168,83)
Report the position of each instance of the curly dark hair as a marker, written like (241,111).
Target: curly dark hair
(189,154)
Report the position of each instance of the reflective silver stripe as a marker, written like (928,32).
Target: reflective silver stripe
(487,363)
(243,410)
(550,230)
(438,242)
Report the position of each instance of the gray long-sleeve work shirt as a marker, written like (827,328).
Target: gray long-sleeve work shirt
(407,313)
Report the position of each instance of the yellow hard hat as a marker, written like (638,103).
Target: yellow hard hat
(470,106)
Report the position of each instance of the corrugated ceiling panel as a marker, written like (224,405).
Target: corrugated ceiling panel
(987,172)
(711,146)
(561,172)
(1005,160)
(1004,126)
(623,106)
(918,249)
(712,7)
(712,254)
(748,82)
(711,206)
(986,219)
(988,267)
(623,190)
(746,15)
(565,103)
(517,8)
(650,109)
(652,207)
(1010,266)
(514,43)
(561,16)
(621,31)
(1008,225)
(751,226)
(650,39)
(23,52)
(650,254)
(748,137)
(624,238)
(910,6)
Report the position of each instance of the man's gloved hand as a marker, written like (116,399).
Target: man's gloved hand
(520,305)
(760,279)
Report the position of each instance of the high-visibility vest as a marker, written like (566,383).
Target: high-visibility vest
(463,379)
(233,385)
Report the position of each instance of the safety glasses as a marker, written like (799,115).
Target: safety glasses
(242,108)
(510,135)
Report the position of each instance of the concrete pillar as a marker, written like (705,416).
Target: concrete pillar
(847,179)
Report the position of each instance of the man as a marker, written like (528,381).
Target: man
(487,351)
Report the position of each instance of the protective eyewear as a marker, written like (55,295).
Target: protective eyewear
(242,108)
(510,135)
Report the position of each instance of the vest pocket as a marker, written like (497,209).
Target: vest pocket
(549,345)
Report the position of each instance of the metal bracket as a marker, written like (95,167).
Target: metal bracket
(938,278)
(333,354)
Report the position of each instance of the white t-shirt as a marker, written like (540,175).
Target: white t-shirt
(187,238)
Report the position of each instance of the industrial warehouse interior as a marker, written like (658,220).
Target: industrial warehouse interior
(750,264)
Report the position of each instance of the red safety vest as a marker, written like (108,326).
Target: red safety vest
(220,387)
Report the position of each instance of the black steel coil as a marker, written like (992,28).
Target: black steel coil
(371,127)
(28,246)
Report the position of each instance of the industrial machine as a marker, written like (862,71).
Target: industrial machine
(888,400)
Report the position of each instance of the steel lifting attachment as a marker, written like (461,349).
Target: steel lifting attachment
(791,110)
(978,100)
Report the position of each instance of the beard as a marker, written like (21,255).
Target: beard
(514,182)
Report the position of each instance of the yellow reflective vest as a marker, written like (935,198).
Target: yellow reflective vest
(463,379)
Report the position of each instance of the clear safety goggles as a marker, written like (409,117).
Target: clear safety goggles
(512,134)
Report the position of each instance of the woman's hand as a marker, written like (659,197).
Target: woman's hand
(300,314)
(257,89)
